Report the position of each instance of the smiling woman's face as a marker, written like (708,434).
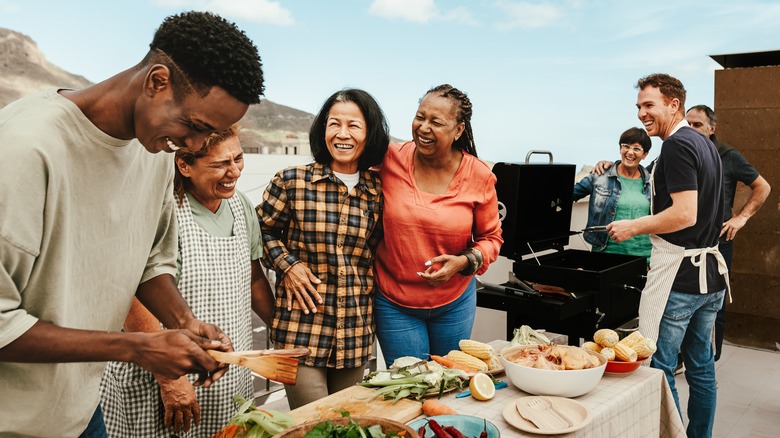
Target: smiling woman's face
(213,176)
(435,126)
(345,136)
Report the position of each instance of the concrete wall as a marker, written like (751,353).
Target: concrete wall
(747,102)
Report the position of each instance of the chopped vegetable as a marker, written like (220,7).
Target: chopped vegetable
(414,382)
(250,422)
(352,429)
(527,336)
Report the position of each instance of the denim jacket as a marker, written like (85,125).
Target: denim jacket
(604,191)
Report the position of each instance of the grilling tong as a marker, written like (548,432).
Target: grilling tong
(522,288)
(595,229)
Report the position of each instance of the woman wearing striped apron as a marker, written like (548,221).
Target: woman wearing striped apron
(221,280)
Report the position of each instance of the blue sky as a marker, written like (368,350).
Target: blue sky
(549,75)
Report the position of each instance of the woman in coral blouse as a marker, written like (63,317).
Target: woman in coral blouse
(441,227)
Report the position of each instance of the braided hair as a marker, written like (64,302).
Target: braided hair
(465,142)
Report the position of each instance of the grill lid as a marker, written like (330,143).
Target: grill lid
(535,202)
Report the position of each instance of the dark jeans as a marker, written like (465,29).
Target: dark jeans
(96,428)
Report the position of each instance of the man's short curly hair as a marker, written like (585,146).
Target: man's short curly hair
(209,51)
(670,87)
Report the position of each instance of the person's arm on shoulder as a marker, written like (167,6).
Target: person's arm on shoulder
(680,215)
(760,189)
(601,167)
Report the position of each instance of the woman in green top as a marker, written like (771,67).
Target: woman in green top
(220,277)
(621,192)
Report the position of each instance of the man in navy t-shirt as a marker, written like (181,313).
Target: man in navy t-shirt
(687,280)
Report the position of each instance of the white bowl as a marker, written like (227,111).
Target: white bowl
(562,383)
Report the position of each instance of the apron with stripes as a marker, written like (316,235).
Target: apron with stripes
(215,281)
(665,261)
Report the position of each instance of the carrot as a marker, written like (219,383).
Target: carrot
(433,408)
(449,363)
(228,431)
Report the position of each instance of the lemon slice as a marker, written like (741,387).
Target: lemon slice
(481,387)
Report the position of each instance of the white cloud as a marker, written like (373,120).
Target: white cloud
(420,11)
(528,15)
(9,6)
(258,11)
(461,15)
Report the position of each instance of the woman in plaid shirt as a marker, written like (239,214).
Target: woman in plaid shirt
(321,224)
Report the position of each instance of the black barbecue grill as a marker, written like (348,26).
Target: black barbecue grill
(596,290)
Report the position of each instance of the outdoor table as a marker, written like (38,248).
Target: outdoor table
(639,404)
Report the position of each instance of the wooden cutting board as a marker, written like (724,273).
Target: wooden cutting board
(355,400)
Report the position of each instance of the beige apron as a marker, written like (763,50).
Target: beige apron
(665,261)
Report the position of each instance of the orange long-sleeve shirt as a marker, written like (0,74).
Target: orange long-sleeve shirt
(419,226)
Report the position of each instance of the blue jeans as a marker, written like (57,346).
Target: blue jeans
(96,428)
(687,326)
(419,332)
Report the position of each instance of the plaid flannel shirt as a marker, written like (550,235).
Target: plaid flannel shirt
(307,216)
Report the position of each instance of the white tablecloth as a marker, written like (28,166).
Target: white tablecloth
(639,404)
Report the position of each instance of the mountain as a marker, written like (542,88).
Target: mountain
(268,126)
(24,69)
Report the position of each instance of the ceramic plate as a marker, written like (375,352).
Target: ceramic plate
(577,414)
(496,371)
(466,424)
(620,367)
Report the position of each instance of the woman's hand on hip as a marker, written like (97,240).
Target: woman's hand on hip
(442,268)
(301,283)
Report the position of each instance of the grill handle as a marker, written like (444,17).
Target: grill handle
(632,288)
(532,152)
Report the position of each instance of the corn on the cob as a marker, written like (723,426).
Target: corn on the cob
(476,348)
(644,348)
(606,337)
(467,360)
(592,346)
(624,353)
(608,353)
(492,363)
(632,339)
